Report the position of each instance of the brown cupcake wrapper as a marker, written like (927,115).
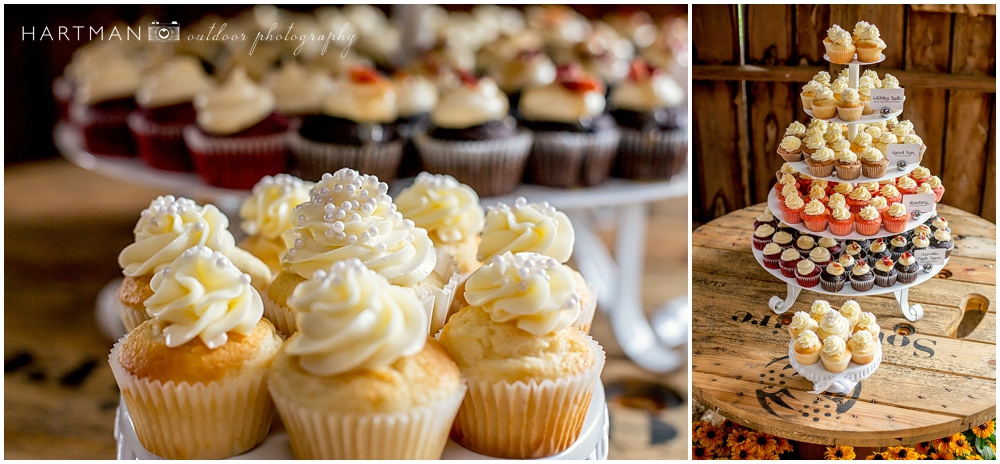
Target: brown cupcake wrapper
(862,286)
(196,421)
(527,420)
(655,155)
(885,281)
(818,170)
(906,277)
(834,287)
(490,167)
(848,172)
(236,162)
(314,159)
(568,160)
(873,171)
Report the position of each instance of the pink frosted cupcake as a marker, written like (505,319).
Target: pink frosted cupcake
(238,138)
(841,221)
(868,221)
(815,216)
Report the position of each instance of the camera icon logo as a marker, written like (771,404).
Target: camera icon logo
(161,32)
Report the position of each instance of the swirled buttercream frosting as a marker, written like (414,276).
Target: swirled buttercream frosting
(535,227)
(446,208)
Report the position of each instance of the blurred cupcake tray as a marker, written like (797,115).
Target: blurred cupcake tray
(826,381)
(864,119)
(592,444)
(900,291)
(775,205)
(891,172)
(881,58)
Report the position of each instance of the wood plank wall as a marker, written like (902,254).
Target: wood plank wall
(745,94)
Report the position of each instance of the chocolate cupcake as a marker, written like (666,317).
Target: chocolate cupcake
(939,223)
(906,269)
(357,129)
(530,68)
(166,107)
(762,236)
(575,138)
(898,245)
(942,240)
(846,261)
(864,243)
(923,229)
(920,242)
(854,250)
(649,109)
(473,139)
(885,272)
(772,255)
(103,98)
(862,278)
(833,277)
(877,251)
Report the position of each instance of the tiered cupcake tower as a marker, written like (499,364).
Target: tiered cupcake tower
(899,290)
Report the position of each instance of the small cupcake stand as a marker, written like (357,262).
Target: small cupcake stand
(912,312)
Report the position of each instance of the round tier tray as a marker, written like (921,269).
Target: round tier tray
(591,445)
(826,381)
(775,205)
(864,119)
(881,58)
(891,172)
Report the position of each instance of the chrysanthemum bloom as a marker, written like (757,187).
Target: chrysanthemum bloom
(959,446)
(839,453)
(784,446)
(877,457)
(984,430)
(710,437)
(700,453)
(737,439)
(761,444)
(902,453)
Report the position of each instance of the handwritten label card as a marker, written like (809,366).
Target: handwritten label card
(919,202)
(887,98)
(908,152)
(932,256)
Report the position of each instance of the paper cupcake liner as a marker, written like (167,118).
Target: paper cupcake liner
(772,263)
(200,421)
(867,108)
(417,434)
(654,155)
(130,317)
(281,317)
(874,170)
(316,158)
(236,162)
(841,228)
(862,286)
(567,160)
(886,280)
(850,114)
(790,157)
(818,170)
(867,228)
(848,172)
(893,224)
(839,55)
(586,317)
(813,224)
(791,216)
(787,271)
(938,194)
(759,243)
(438,303)
(906,277)
(835,367)
(490,167)
(526,420)
(807,281)
(806,359)
(834,287)
(868,55)
(824,112)
(160,146)
(806,101)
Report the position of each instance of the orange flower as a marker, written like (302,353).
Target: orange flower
(959,446)
(938,455)
(942,445)
(922,447)
(877,457)
(839,453)
(784,446)
(709,436)
(902,453)
(741,454)
(700,453)
(761,444)
(974,458)
(737,439)
(984,430)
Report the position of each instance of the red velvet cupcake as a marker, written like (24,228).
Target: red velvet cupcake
(788,261)
(762,236)
(102,100)
(807,274)
(772,255)
(238,138)
(894,219)
(868,221)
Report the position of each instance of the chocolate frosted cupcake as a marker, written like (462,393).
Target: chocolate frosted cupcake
(832,277)
(878,250)
(906,269)
(898,245)
(772,255)
(357,129)
(473,139)
(885,272)
(942,240)
(649,108)
(238,138)
(166,107)
(102,100)
(862,278)
(575,138)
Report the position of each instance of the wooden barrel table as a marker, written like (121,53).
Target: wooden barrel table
(938,374)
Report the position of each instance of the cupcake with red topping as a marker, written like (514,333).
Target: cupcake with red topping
(906,268)
(862,279)
(885,272)
(575,137)
(942,240)
(238,137)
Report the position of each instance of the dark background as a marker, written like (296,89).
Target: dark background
(31,66)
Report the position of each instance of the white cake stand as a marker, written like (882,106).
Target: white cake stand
(592,444)
(826,381)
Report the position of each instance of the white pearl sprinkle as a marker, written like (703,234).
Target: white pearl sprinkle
(355,217)
(319,274)
(299,243)
(330,234)
(408,223)
(301,219)
(220,263)
(338,226)
(329,208)
(365,237)
(410,237)
(382,187)
(382,248)
(338,188)
(328,217)
(245,279)
(341,214)
(523,286)
(373,231)
(352,239)
(350,189)
(166,271)
(199,226)
(327,176)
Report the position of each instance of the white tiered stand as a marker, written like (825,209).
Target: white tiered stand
(912,312)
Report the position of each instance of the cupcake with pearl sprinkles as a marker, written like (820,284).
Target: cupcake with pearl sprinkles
(361,379)
(193,376)
(267,213)
(165,229)
(530,373)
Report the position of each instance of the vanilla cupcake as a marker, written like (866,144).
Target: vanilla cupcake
(819,309)
(835,354)
(852,311)
(796,129)
(824,106)
(839,45)
(790,148)
(362,380)
(807,348)
(821,162)
(802,322)
(531,374)
(165,229)
(452,216)
(866,323)
(193,377)
(267,213)
(862,346)
(834,325)
(298,91)
(808,93)
(865,96)
(849,106)
(867,42)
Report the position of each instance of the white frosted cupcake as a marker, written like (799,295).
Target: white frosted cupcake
(267,213)
(193,377)
(834,325)
(862,346)
(819,309)
(835,354)
(361,380)
(802,322)
(807,347)
(852,311)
